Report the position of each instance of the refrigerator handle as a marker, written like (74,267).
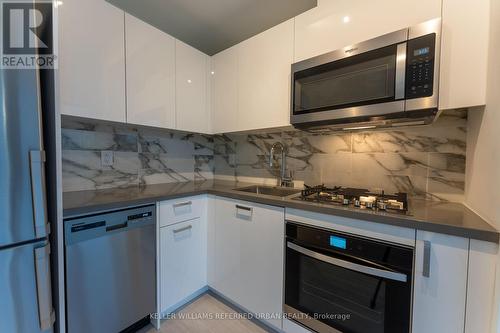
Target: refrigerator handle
(38,192)
(46,313)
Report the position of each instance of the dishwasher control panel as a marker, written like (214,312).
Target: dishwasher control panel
(141,216)
(90,226)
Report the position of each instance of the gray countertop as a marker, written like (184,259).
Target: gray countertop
(442,217)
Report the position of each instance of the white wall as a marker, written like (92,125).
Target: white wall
(483,153)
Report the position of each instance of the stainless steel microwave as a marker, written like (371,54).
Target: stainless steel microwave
(390,79)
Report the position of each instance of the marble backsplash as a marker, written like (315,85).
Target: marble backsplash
(141,155)
(426,161)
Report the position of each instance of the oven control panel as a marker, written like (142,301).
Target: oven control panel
(420,66)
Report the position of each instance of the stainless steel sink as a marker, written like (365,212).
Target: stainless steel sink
(269,190)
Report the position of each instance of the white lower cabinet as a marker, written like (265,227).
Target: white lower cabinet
(248,254)
(480,315)
(440,293)
(182,262)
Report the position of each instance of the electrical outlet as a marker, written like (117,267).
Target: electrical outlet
(107,158)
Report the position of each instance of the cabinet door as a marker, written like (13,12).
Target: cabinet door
(262,259)
(264,69)
(439,298)
(483,257)
(192,70)
(92,60)
(227,250)
(249,242)
(182,262)
(225,91)
(334,24)
(150,75)
(464,55)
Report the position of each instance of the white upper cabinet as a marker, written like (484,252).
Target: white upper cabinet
(150,75)
(464,55)
(251,82)
(92,60)
(439,296)
(334,24)
(264,67)
(192,76)
(224,88)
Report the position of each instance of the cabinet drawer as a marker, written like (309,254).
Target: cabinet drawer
(182,262)
(179,210)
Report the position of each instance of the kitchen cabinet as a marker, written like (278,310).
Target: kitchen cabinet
(251,82)
(464,55)
(211,240)
(182,250)
(249,255)
(479,315)
(91,60)
(182,209)
(264,63)
(334,24)
(440,297)
(150,75)
(182,262)
(225,91)
(192,69)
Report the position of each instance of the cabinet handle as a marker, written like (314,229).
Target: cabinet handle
(182,204)
(248,209)
(189,227)
(426,269)
(244,212)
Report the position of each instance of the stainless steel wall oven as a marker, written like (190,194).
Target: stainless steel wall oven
(335,282)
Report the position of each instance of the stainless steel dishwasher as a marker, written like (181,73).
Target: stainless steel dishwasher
(110,270)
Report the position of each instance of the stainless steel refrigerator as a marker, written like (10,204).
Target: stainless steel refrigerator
(25,275)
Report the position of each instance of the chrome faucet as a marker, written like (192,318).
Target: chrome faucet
(284,179)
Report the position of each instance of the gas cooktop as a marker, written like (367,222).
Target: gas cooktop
(356,198)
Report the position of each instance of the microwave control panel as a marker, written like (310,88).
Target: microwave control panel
(420,66)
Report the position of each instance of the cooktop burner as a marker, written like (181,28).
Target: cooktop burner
(356,198)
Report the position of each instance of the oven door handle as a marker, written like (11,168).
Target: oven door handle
(350,265)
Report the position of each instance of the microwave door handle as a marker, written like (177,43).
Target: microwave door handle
(350,265)
(400,83)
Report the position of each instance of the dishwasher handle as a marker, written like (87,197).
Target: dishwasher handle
(117,226)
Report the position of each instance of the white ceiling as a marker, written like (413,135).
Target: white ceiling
(214,25)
